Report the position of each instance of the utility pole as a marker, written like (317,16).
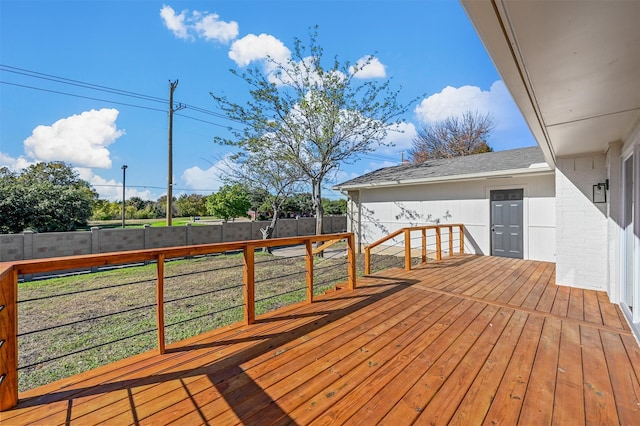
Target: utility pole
(124,174)
(172,88)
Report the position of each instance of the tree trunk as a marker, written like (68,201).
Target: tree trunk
(267,232)
(317,205)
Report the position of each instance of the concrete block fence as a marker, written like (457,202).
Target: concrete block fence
(32,245)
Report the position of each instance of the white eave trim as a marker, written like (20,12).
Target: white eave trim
(534,170)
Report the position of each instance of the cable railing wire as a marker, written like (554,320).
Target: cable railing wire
(280,294)
(280,259)
(217,290)
(86,349)
(203,271)
(266,279)
(321,268)
(53,327)
(203,315)
(86,290)
(150,280)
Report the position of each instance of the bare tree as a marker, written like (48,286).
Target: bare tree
(453,137)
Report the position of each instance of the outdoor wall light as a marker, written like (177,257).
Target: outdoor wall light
(600,192)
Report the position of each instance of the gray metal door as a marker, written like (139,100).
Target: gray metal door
(506,223)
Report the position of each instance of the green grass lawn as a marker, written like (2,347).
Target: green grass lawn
(138,223)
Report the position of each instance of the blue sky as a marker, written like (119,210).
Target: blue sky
(427,47)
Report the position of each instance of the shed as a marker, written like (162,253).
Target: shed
(505,199)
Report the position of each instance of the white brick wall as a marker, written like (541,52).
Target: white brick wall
(581,228)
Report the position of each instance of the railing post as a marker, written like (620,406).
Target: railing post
(249,285)
(9,339)
(461,238)
(309,269)
(367,260)
(438,244)
(351,261)
(450,240)
(160,303)
(407,249)
(424,245)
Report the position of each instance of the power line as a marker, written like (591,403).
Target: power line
(106,89)
(80,96)
(77,83)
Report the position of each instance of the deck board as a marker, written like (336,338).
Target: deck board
(469,340)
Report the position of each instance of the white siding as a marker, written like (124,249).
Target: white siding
(384,210)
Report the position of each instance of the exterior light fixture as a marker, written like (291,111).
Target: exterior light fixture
(600,192)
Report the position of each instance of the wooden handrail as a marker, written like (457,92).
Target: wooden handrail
(9,272)
(407,243)
(325,246)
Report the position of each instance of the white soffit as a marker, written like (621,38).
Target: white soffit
(573,67)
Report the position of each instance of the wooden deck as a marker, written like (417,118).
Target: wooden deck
(470,340)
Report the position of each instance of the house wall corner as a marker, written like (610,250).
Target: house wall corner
(582,237)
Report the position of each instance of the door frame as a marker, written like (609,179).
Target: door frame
(633,316)
(525,214)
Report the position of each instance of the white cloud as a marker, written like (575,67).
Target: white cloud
(210,27)
(401,138)
(188,25)
(256,48)
(81,140)
(111,189)
(453,101)
(210,179)
(174,22)
(374,69)
(14,164)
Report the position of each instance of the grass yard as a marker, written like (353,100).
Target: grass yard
(139,223)
(73,324)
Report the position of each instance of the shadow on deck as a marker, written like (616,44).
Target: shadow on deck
(465,341)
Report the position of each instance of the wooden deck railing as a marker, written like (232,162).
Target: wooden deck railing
(424,245)
(9,272)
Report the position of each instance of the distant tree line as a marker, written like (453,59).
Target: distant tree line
(50,197)
(231,201)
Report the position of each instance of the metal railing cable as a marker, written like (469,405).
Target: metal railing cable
(208,314)
(87,290)
(151,330)
(54,327)
(217,290)
(273,296)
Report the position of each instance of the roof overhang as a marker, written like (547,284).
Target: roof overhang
(536,170)
(572,67)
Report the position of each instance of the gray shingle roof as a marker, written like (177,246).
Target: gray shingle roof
(490,163)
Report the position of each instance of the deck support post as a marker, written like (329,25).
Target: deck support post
(450,240)
(160,303)
(249,285)
(438,244)
(351,261)
(461,238)
(8,339)
(309,269)
(407,249)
